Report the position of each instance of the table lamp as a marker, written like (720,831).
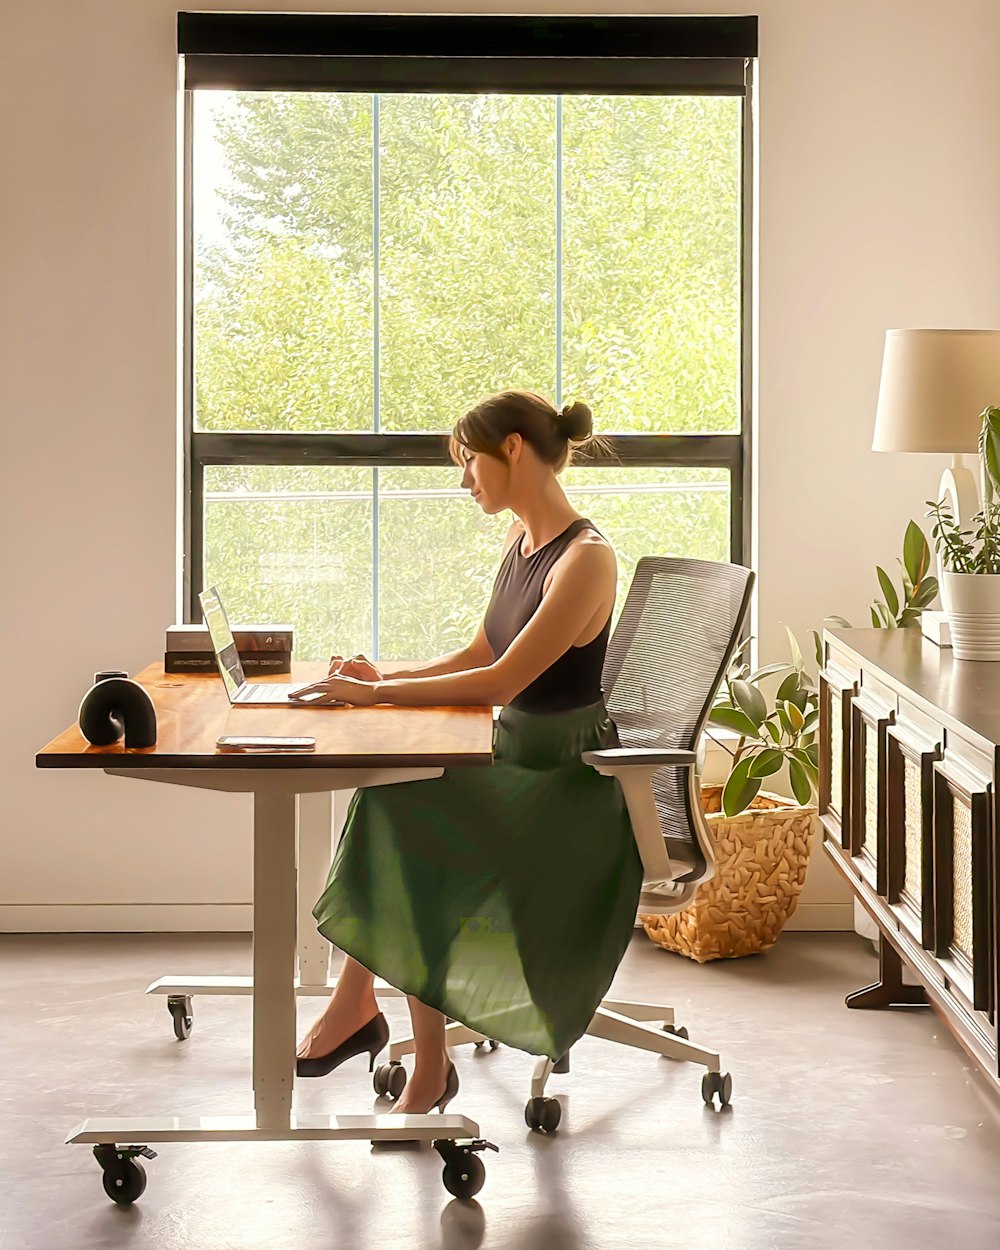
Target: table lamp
(934,387)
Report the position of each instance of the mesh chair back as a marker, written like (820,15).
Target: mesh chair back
(666,659)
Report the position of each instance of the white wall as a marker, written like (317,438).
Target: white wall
(879,186)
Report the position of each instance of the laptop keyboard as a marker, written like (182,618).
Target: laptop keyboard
(255,692)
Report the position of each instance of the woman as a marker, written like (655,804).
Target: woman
(503,897)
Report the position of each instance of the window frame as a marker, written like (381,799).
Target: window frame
(258,52)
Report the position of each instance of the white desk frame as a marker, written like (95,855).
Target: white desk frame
(282,799)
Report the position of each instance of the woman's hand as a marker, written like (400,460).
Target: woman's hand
(336,689)
(358,666)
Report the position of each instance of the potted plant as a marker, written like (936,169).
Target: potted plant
(971,557)
(762,840)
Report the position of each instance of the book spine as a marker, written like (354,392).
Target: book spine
(256,662)
(245,641)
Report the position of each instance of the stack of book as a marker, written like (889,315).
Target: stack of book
(262,649)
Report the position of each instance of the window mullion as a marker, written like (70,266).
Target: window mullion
(376,328)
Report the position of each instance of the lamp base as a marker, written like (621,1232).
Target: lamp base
(934,625)
(959,489)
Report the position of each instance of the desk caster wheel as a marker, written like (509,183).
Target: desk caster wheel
(390,1079)
(489,1042)
(542,1114)
(463,1173)
(713,1083)
(179,1006)
(675,1031)
(124,1176)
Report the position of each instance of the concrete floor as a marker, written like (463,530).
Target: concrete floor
(847,1129)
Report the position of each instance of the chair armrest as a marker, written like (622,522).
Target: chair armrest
(648,757)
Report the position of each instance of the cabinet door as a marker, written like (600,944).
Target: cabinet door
(836,689)
(871,715)
(962,881)
(910,758)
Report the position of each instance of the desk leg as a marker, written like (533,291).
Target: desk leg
(315,857)
(274,827)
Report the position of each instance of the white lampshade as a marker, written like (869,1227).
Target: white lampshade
(934,387)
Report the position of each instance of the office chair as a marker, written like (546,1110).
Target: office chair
(666,659)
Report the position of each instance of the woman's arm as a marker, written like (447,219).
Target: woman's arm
(477,654)
(580,584)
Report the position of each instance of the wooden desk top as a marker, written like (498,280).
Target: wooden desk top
(192,711)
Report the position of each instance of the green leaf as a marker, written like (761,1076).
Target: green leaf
(767,763)
(907,584)
(989,444)
(795,717)
(773,730)
(733,718)
(840,621)
(801,785)
(768,671)
(891,598)
(740,790)
(925,593)
(788,687)
(885,621)
(875,619)
(793,644)
(916,554)
(751,701)
(812,723)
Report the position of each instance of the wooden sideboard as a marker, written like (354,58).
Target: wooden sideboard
(909,752)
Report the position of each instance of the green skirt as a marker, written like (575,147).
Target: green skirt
(503,896)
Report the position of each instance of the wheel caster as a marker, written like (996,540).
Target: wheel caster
(489,1042)
(676,1031)
(543,1114)
(390,1079)
(179,1006)
(463,1173)
(720,1083)
(124,1176)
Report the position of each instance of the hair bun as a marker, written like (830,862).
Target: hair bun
(576,421)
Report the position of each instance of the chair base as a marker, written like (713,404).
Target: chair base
(640,1026)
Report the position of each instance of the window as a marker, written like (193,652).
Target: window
(385,230)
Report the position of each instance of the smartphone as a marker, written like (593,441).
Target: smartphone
(264,742)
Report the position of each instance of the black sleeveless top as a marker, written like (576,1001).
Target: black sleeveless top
(574,680)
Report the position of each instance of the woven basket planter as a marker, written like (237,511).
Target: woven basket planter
(761,860)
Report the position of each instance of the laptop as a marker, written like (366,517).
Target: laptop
(238,689)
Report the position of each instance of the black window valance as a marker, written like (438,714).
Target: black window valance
(404,52)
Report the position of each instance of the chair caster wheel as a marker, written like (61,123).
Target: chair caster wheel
(713,1083)
(489,1042)
(390,1079)
(124,1176)
(675,1031)
(179,1006)
(542,1114)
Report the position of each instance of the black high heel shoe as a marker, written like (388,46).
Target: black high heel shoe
(450,1090)
(373,1037)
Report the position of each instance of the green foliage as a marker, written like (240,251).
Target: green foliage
(771,735)
(919,589)
(975,550)
(287,297)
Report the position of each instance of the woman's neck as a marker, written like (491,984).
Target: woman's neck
(544,517)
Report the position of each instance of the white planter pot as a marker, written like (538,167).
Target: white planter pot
(974,615)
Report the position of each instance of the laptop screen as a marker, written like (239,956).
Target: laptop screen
(223,642)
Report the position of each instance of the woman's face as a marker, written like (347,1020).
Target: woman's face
(487,479)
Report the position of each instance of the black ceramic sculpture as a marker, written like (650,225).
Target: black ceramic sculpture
(116,705)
